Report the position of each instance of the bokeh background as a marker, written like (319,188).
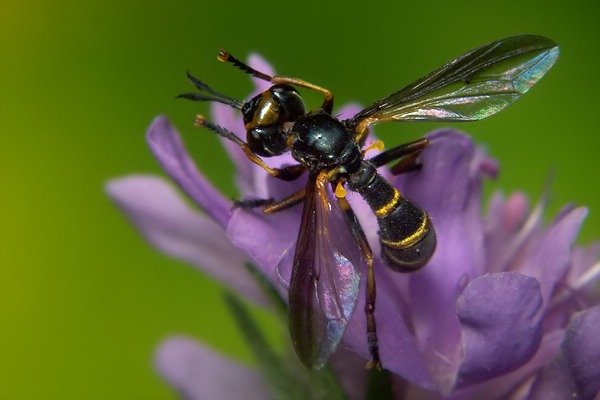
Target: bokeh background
(84,300)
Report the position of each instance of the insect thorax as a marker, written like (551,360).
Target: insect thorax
(320,141)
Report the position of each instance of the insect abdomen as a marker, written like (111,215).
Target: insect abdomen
(407,237)
(406,233)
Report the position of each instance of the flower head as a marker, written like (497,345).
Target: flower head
(504,306)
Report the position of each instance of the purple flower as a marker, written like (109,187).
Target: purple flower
(507,307)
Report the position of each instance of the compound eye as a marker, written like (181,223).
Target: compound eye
(250,108)
(267,141)
(290,102)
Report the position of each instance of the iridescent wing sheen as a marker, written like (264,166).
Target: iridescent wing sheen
(473,86)
(325,281)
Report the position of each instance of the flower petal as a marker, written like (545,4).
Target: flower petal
(500,316)
(576,371)
(554,383)
(231,119)
(583,261)
(266,238)
(197,372)
(168,148)
(504,386)
(551,257)
(582,349)
(448,187)
(507,229)
(348,111)
(172,226)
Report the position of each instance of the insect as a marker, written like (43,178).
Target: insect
(324,280)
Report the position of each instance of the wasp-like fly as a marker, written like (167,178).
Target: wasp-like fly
(324,280)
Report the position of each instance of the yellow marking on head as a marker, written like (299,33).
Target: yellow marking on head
(385,210)
(411,240)
(267,112)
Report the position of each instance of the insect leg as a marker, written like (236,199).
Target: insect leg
(284,204)
(248,204)
(327,103)
(271,206)
(367,253)
(287,174)
(408,153)
(226,57)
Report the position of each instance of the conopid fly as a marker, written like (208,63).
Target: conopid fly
(324,280)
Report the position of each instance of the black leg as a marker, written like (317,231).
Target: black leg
(284,204)
(408,154)
(271,206)
(371,294)
(248,204)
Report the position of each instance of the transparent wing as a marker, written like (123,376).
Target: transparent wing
(325,281)
(473,86)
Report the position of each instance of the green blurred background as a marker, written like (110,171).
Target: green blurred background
(84,300)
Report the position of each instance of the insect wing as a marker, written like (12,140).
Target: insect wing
(325,280)
(473,86)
